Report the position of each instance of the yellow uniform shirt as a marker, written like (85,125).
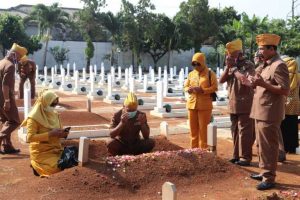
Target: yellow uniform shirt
(201,101)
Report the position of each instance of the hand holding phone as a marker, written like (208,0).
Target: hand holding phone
(67,129)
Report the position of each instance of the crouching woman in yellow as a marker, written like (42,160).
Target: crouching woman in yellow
(200,84)
(44,133)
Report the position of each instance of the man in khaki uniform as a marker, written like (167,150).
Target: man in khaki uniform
(26,70)
(240,102)
(125,129)
(8,109)
(271,88)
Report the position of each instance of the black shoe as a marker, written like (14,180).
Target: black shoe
(243,163)
(265,186)
(281,156)
(234,160)
(256,177)
(11,151)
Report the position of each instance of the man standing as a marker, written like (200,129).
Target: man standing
(8,109)
(126,126)
(240,102)
(26,69)
(271,88)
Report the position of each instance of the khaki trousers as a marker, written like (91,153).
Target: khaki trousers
(242,130)
(267,137)
(199,119)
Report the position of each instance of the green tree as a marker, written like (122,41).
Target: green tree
(89,23)
(134,21)
(159,39)
(89,52)
(252,27)
(113,25)
(12,30)
(60,54)
(201,21)
(290,39)
(48,18)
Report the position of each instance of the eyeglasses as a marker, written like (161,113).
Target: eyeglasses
(196,64)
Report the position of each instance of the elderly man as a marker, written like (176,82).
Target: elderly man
(271,88)
(240,102)
(8,109)
(26,69)
(126,126)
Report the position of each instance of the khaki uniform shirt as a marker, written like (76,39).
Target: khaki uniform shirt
(268,106)
(7,77)
(240,96)
(27,70)
(131,131)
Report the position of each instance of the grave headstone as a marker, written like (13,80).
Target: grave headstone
(159,73)
(140,74)
(145,82)
(164,128)
(169,191)
(186,72)
(45,82)
(83,152)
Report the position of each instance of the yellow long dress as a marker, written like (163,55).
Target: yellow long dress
(45,151)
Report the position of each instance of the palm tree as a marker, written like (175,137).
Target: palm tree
(253,27)
(112,24)
(48,18)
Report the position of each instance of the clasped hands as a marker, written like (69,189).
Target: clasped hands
(251,81)
(195,89)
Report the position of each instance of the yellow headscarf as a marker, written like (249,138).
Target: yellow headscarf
(38,113)
(235,45)
(200,58)
(131,101)
(293,71)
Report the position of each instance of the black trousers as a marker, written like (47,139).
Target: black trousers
(289,130)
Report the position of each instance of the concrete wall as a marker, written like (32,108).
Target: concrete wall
(77,55)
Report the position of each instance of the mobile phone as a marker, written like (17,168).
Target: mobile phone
(67,129)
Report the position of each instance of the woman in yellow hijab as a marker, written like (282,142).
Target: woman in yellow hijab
(200,84)
(289,126)
(44,131)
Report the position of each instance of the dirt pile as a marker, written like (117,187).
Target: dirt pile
(121,175)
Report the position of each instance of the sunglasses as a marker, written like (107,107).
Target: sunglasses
(196,64)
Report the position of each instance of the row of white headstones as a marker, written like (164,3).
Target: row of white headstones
(128,77)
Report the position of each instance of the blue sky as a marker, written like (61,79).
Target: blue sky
(272,8)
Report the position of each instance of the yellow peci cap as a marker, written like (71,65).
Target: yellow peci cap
(235,45)
(267,39)
(24,59)
(22,51)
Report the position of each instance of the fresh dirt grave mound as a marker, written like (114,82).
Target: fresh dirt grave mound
(97,148)
(120,175)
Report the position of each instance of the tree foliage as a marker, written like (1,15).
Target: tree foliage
(200,22)
(12,30)
(60,54)
(48,18)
